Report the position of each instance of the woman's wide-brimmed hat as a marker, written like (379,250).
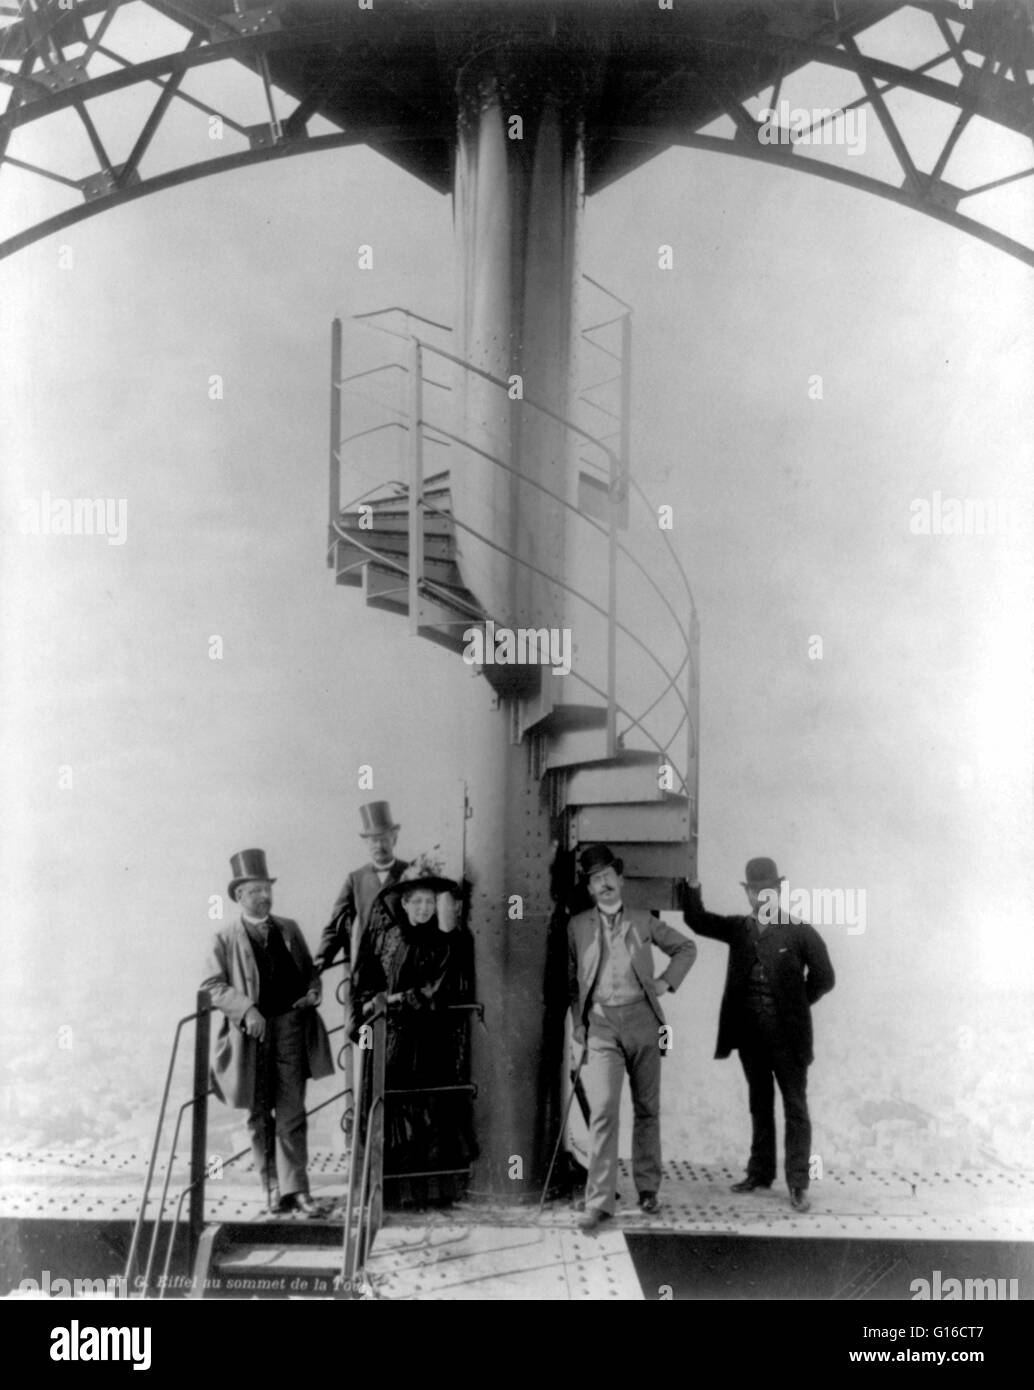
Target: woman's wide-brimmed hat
(248,867)
(424,872)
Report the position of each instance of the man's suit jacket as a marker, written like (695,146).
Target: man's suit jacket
(232,982)
(803,973)
(585,937)
(351,912)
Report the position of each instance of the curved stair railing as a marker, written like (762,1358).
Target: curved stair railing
(625,718)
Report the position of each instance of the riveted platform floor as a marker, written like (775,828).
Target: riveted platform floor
(965,1205)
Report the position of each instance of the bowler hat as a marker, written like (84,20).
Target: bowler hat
(248,867)
(596,858)
(761,873)
(375,818)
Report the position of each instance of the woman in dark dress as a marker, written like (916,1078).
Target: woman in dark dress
(422,968)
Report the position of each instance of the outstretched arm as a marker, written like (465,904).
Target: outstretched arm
(337,932)
(699,920)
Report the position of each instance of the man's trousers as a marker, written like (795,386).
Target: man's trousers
(622,1037)
(767,1057)
(277,1123)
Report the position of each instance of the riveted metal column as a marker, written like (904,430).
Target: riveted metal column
(517,191)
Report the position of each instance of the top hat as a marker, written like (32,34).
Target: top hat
(375,818)
(248,867)
(598,857)
(761,873)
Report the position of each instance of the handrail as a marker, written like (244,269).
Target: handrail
(156,1232)
(362,1139)
(663,749)
(593,440)
(568,589)
(138,1226)
(617,456)
(534,482)
(389,563)
(556,497)
(195,1189)
(186,1191)
(366,1173)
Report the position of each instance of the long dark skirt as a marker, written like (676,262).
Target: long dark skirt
(424,1133)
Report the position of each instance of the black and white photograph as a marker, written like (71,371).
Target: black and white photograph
(516,583)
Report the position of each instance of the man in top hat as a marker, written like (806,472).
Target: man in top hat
(615,1005)
(350,915)
(261,976)
(778,967)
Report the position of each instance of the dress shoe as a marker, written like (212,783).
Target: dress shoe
(274,1205)
(593,1220)
(799,1199)
(749,1185)
(648,1203)
(303,1204)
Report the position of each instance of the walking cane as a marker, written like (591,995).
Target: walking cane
(563,1124)
(265,1060)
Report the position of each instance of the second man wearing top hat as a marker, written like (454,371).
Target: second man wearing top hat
(350,915)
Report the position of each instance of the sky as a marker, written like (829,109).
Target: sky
(899,763)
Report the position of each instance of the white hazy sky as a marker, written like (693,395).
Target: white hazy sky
(900,763)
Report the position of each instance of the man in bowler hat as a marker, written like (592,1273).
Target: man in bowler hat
(614,998)
(778,967)
(271,1039)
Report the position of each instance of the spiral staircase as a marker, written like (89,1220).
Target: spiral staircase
(626,778)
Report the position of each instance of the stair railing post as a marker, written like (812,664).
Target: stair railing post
(693,737)
(334,500)
(416,484)
(619,472)
(199,1124)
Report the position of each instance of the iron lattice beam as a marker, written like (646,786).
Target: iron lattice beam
(386,78)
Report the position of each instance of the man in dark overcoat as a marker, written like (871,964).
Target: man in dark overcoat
(350,915)
(350,918)
(778,968)
(261,977)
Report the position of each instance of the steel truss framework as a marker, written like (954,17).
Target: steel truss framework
(388,82)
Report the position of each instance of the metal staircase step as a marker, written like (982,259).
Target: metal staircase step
(633,821)
(249,1259)
(385,587)
(574,747)
(622,779)
(651,894)
(396,543)
(390,524)
(657,860)
(349,556)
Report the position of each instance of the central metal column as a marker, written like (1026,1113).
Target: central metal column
(517,198)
